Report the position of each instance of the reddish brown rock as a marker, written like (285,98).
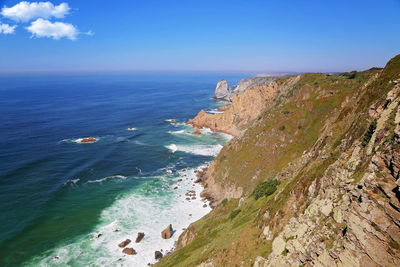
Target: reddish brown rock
(88,140)
(167,232)
(129,251)
(124,243)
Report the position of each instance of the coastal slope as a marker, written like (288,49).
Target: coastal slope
(311,178)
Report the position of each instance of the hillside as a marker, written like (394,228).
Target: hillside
(311,178)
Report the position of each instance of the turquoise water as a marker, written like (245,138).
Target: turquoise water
(64,203)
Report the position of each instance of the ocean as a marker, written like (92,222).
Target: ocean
(66,203)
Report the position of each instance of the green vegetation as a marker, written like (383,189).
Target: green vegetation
(349,75)
(224,202)
(327,114)
(266,188)
(368,134)
(282,128)
(234,214)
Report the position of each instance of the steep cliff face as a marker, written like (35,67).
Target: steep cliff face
(244,109)
(332,143)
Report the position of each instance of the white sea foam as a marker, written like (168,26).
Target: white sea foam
(174,122)
(72,181)
(172,147)
(203,150)
(178,132)
(107,178)
(132,213)
(214,111)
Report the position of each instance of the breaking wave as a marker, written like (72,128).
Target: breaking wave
(202,150)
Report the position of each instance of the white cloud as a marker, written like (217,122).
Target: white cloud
(26,11)
(7,29)
(56,30)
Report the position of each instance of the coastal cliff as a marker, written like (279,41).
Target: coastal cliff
(311,178)
(245,106)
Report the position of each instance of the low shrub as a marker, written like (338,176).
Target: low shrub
(224,202)
(368,134)
(234,214)
(349,75)
(266,188)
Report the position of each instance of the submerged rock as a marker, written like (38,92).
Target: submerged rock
(158,255)
(167,232)
(139,237)
(196,131)
(124,243)
(88,140)
(129,251)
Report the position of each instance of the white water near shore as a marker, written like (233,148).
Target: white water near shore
(138,211)
(149,208)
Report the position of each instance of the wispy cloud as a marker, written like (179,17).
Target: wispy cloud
(7,29)
(55,30)
(26,11)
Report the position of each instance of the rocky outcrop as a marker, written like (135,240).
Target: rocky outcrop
(247,83)
(167,232)
(349,221)
(222,90)
(214,191)
(244,109)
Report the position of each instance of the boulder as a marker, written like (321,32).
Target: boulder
(167,232)
(158,255)
(129,251)
(139,237)
(124,243)
(222,90)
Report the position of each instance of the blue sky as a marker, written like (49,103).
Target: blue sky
(243,36)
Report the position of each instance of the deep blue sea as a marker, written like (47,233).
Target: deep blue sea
(65,203)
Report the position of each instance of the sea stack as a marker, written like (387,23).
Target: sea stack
(222,90)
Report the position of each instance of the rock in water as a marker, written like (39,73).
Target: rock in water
(196,131)
(222,90)
(158,255)
(124,243)
(89,139)
(129,251)
(167,232)
(139,237)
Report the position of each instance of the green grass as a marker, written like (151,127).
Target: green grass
(231,236)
